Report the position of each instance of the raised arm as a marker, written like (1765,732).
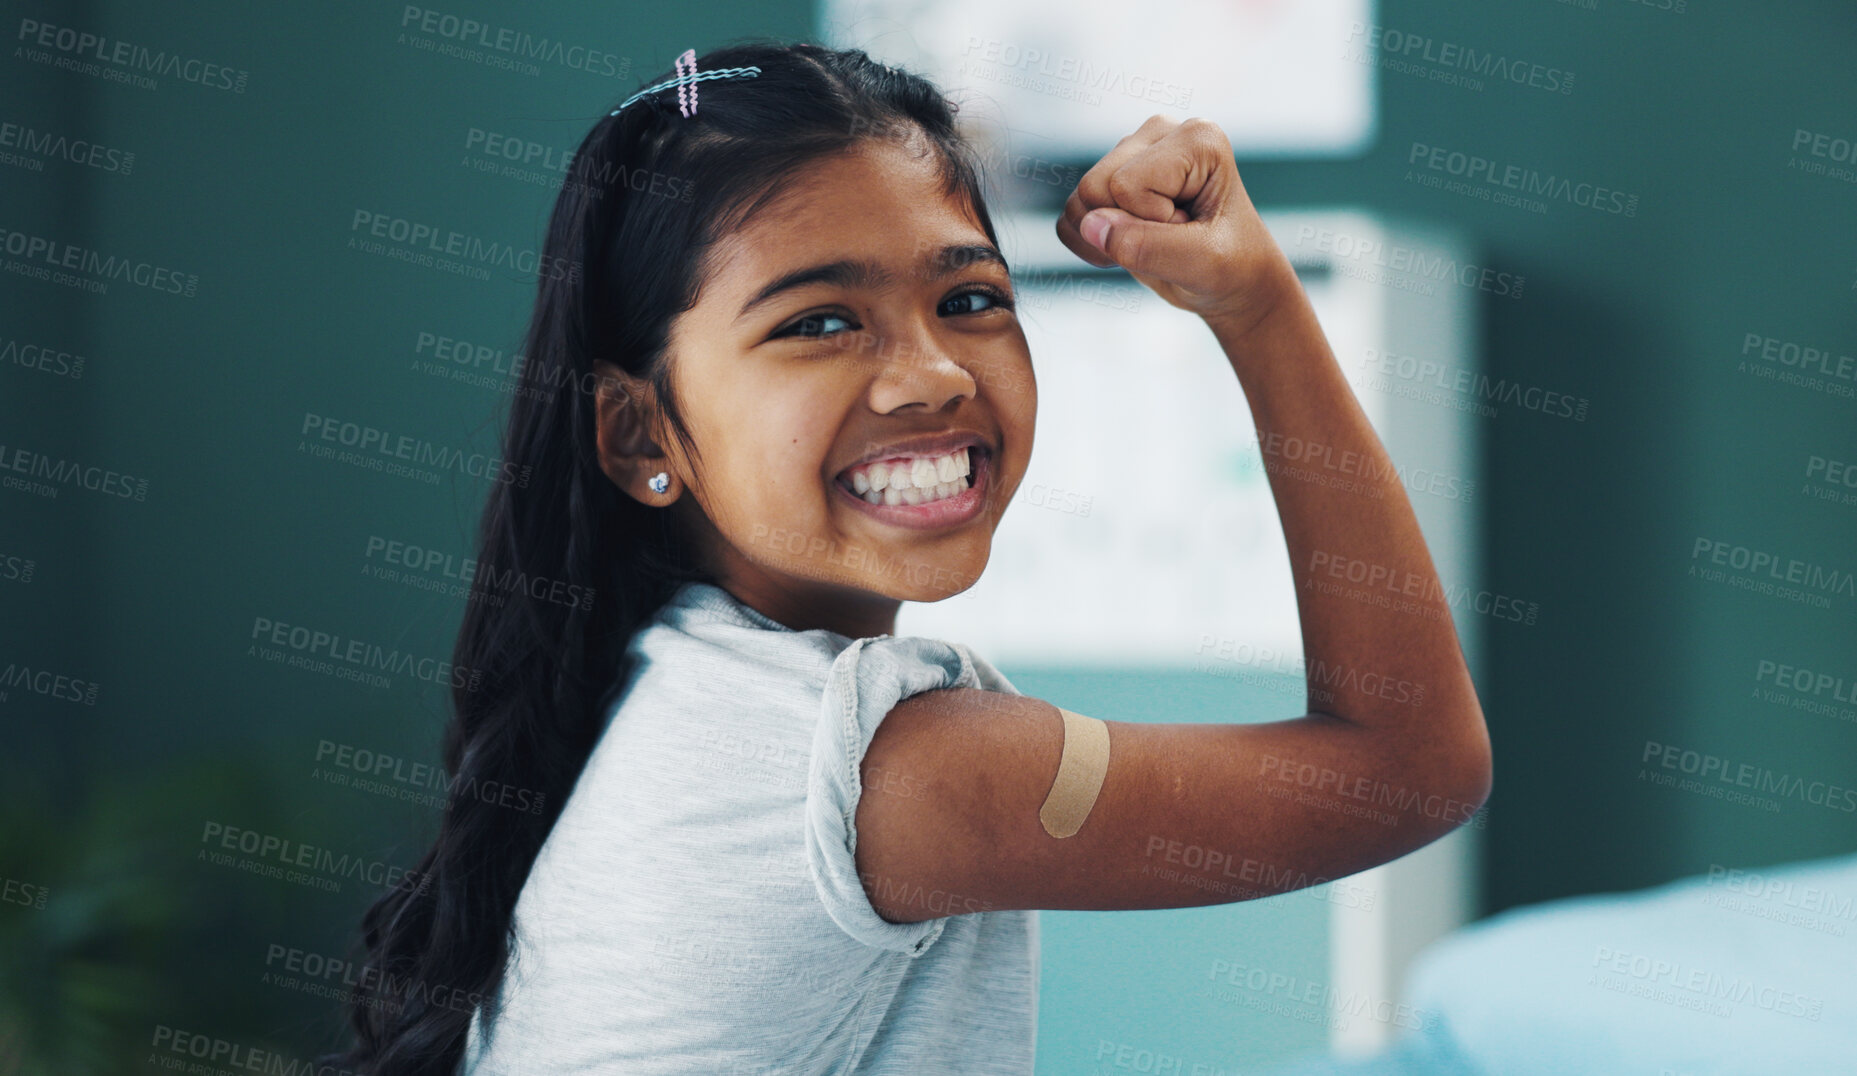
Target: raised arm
(1392,752)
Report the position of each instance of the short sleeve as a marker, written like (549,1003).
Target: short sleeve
(866,680)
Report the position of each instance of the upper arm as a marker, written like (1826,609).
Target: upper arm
(1188,814)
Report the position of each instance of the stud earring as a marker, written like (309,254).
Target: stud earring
(659,482)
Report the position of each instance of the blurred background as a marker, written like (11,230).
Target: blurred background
(1588,264)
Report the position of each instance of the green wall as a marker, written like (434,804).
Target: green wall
(1646,317)
(204,398)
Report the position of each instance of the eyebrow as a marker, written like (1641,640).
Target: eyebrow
(852,273)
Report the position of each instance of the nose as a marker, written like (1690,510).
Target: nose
(918,370)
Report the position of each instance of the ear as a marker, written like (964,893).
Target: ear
(625,414)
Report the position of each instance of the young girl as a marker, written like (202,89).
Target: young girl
(781,390)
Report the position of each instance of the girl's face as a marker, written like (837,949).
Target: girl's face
(861,317)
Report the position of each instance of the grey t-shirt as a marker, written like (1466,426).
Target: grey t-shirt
(697,908)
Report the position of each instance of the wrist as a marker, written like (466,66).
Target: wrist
(1251,311)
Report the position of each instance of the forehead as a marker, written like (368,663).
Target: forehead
(877,201)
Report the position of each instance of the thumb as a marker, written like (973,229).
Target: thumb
(1136,244)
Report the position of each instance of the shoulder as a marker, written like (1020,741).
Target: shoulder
(870,676)
(865,683)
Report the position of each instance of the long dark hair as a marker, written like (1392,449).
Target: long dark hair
(650,192)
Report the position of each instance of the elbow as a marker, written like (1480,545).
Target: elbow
(1468,768)
(1450,779)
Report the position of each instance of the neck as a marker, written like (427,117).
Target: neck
(806,605)
(794,603)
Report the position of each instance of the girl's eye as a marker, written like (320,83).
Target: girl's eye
(807,321)
(810,327)
(997,297)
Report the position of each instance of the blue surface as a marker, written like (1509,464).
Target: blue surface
(1721,973)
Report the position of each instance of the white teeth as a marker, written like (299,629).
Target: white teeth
(913,495)
(919,473)
(913,481)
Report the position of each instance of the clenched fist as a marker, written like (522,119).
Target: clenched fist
(1167,205)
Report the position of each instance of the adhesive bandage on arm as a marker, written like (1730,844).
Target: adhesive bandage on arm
(1079,775)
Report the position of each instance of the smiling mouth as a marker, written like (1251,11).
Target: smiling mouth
(914,480)
(936,504)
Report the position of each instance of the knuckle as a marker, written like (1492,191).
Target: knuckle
(1130,249)
(1206,129)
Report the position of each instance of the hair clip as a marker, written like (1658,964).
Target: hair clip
(689,78)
